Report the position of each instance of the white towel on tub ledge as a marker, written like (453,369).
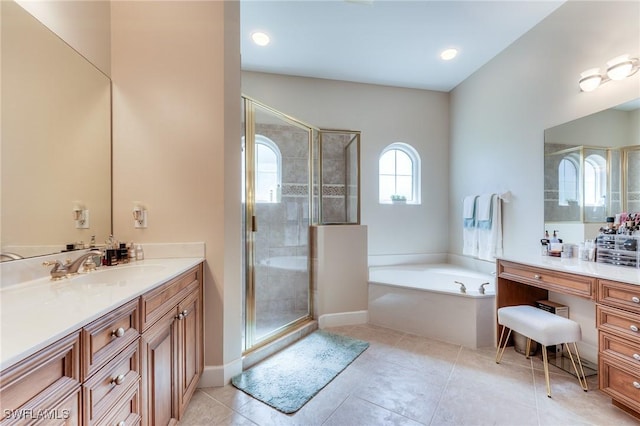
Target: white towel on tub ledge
(469,230)
(490,235)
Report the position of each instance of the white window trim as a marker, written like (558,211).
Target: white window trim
(416,167)
(576,167)
(263,140)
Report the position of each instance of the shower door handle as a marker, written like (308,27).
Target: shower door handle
(254,224)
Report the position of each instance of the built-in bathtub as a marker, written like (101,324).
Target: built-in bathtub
(426,300)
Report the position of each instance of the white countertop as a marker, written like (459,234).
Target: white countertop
(572,265)
(36,313)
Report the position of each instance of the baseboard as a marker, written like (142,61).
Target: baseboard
(343,318)
(219,375)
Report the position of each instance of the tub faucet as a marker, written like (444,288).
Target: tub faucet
(463,289)
(481,289)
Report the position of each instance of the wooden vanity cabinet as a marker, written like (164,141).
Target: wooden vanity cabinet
(108,372)
(172,347)
(45,387)
(618,321)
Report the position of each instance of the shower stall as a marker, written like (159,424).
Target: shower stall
(295,176)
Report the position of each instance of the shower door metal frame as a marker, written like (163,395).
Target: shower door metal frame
(251,225)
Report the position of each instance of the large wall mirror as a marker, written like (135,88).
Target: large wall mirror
(56,141)
(592,171)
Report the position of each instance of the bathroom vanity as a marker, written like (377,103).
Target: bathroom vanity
(123,346)
(616,293)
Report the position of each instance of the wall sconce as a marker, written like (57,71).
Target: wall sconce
(139,216)
(80,216)
(618,68)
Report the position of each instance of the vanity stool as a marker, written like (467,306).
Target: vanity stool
(546,329)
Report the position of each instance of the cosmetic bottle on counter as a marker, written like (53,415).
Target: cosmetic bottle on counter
(139,252)
(132,252)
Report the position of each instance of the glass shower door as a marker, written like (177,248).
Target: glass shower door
(277,195)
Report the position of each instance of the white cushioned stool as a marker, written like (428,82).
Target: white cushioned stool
(546,329)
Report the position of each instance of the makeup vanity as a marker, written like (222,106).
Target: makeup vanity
(616,293)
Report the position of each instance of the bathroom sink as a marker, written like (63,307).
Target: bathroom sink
(117,275)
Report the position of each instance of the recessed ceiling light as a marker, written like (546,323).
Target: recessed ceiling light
(260,38)
(448,54)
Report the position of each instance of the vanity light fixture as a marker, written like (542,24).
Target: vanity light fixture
(80,215)
(618,68)
(260,38)
(139,216)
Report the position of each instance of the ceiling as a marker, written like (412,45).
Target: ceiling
(386,42)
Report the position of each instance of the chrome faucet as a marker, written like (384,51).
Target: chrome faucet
(61,270)
(74,266)
(481,289)
(463,289)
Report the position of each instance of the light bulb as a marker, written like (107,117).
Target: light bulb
(448,54)
(619,67)
(590,80)
(260,38)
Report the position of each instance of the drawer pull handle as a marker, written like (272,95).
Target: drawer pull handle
(537,277)
(636,385)
(182,315)
(636,357)
(633,328)
(118,333)
(635,299)
(118,380)
(122,423)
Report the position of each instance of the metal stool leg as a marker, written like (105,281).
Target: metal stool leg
(500,344)
(579,374)
(545,362)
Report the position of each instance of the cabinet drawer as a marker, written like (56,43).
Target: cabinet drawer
(577,285)
(32,384)
(621,295)
(622,323)
(108,385)
(620,382)
(127,410)
(107,336)
(154,304)
(619,348)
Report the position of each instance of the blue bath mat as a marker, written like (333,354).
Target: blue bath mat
(289,379)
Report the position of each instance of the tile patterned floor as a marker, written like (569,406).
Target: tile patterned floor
(403,379)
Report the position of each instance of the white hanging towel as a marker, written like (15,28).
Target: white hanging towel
(469,230)
(489,224)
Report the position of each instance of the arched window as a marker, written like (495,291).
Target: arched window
(399,174)
(268,169)
(567,182)
(595,180)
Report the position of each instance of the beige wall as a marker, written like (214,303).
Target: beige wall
(384,115)
(176,142)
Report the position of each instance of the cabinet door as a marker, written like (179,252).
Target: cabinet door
(190,356)
(159,372)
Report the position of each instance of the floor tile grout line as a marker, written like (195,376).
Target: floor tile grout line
(446,385)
